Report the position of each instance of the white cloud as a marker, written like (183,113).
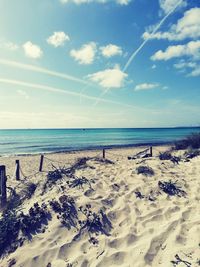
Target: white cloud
(109,78)
(191,49)
(195,72)
(123,2)
(78,2)
(31,50)
(183,66)
(23,93)
(9,45)
(58,39)
(153,66)
(186,27)
(147,38)
(168,5)
(75,1)
(86,54)
(111,50)
(146,86)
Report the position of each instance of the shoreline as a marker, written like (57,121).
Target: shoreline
(97,148)
(66,140)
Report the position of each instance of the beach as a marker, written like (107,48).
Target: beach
(99,133)
(140,224)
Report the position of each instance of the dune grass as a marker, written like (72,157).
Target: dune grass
(191,141)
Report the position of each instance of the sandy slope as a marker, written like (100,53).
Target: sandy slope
(145,233)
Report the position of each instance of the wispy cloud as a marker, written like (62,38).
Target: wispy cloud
(59,90)
(182,64)
(123,2)
(134,54)
(190,66)
(8,45)
(78,2)
(86,54)
(146,86)
(23,93)
(32,50)
(33,68)
(195,72)
(58,39)
(167,5)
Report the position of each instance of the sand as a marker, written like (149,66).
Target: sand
(145,232)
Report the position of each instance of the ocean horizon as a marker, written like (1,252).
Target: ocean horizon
(34,141)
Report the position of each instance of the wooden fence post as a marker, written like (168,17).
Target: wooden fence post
(104,153)
(3,193)
(151,151)
(17,174)
(41,163)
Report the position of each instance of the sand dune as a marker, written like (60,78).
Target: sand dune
(147,231)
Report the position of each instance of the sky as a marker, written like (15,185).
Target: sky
(99,63)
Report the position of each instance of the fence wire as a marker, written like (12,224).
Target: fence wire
(51,163)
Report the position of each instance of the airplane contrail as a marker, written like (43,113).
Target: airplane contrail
(59,90)
(140,47)
(145,41)
(33,68)
(102,94)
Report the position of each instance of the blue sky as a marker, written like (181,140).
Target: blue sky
(99,63)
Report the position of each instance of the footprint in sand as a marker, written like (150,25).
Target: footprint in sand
(181,238)
(131,239)
(85,263)
(115,259)
(115,243)
(110,202)
(186,214)
(115,187)
(170,212)
(154,218)
(156,243)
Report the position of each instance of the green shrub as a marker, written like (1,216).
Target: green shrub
(9,230)
(171,188)
(145,170)
(192,153)
(192,141)
(30,190)
(66,208)
(33,221)
(11,226)
(165,155)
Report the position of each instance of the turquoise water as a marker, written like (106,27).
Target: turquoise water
(55,140)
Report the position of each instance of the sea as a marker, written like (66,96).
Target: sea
(33,141)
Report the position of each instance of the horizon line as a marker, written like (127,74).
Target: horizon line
(93,128)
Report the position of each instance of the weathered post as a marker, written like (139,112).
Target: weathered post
(3,193)
(151,151)
(104,153)
(41,163)
(17,174)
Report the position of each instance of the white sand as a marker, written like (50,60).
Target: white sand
(145,233)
